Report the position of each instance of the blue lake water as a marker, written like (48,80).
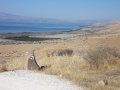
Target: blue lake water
(7,26)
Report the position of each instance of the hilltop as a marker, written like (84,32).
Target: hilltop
(112,27)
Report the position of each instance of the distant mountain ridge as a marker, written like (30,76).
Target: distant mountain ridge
(11,17)
(7,16)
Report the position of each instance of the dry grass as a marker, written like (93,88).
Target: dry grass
(13,57)
(77,69)
(14,64)
(3,66)
(103,58)
(82,67)
(70,59)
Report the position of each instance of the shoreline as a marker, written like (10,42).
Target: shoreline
(56,31)
(37,36)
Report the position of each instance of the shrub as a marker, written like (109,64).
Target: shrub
(67,52)
(102,56)
(59,52)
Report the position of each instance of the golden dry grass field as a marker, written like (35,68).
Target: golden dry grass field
(70,59)
(67,58)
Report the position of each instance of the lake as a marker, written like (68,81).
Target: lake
(18,26)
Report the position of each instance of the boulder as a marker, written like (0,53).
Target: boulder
(31,64)
(103,82)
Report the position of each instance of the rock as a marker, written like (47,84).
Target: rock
(60,75)
(31,64)
(103,82)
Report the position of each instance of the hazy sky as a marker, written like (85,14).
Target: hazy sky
(63,9)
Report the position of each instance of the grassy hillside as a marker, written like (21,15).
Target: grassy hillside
(112,27)
(84,60)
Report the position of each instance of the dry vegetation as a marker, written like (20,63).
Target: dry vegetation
(84,60)
(103,58)
(13,57)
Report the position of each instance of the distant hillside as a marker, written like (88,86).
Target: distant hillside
(112,27)
(109,27)
(12,17)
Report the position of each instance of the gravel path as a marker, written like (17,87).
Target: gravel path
(29,80)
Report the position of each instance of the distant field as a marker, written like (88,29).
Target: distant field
(36,36)
(27,38)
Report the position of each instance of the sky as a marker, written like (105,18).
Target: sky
(63,9)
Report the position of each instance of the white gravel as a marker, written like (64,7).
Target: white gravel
(29,80)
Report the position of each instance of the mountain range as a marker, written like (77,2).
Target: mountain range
(11,17)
